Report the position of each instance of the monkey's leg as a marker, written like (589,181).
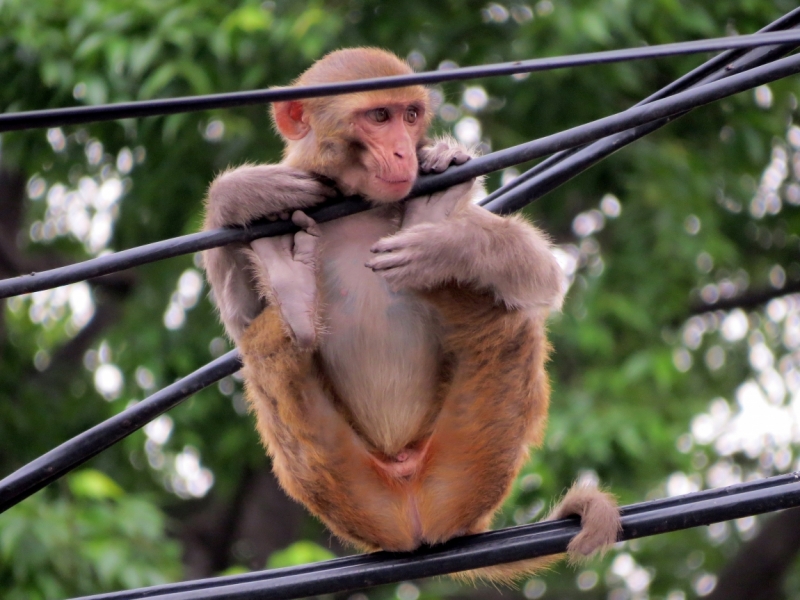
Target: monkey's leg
(317,457)
(495,407)
(285,271)
(237,197)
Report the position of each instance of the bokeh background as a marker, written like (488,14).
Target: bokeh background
(649,397)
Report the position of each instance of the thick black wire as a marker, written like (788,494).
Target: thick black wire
(85,114)
(97,439)
(62,459)
(506,545)
(722,65)
(560,168)
(637,116)
(52,465)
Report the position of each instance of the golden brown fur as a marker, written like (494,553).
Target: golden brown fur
(492,404)
(397,375)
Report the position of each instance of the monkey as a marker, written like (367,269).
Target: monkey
(394,359)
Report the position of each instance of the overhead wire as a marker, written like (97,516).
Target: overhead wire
(481,550)
(563,166)
(473,551)
(57,117)
(47,468)
(60,460)
(655,111)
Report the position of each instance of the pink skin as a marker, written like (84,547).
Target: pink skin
(390,134)
(405,463)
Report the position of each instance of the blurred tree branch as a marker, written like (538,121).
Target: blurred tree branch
(746,301)
(758,569)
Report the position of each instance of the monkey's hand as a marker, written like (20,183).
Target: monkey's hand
(251,192)
(442,153)
(473,247)
(290,265)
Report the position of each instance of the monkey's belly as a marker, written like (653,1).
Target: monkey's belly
(384,369)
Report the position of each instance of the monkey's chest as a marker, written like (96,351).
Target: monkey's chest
(380,351)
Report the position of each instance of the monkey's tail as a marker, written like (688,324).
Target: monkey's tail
(600,526)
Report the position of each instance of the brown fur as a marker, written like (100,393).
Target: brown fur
(397,376)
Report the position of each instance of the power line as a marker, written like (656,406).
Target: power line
(475,551)
(62,459)
(147,108)
(658,110)
(561,167)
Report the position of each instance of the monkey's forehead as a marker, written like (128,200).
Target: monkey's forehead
(354,63)
(376,98)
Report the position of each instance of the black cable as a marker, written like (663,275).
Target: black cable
(124,110)
(30,478)
(52,465)
(470,552)
(560,168)
(62,459)
(658,110)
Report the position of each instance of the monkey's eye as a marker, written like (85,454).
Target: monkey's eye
(411,114)
(379,115)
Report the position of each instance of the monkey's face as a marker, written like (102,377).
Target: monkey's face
(367,143)
(385,139)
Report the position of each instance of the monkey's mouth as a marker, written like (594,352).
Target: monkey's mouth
(394,181)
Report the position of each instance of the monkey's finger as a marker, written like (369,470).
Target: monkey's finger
(460,158)
(305,246)
(272,256)
(273,248)
(388,261)
(388,244)
(301,219)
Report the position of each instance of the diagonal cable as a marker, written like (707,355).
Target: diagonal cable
(560,168)
(475,551)
(61,460)
(145,108)
(637,116)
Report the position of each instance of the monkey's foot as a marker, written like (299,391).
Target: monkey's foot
(290,263)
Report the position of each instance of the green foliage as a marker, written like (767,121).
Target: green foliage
(100,539)
(299,553)
(620,402)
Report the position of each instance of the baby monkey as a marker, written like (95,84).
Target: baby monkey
(394,359)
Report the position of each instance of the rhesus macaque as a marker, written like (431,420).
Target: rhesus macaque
(394,359)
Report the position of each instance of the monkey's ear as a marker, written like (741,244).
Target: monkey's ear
(290,119)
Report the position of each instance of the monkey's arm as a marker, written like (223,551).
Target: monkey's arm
(445,239)
(250,192)
(237,197)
